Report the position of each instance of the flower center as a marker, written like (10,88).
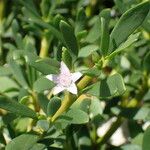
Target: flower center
(64,80)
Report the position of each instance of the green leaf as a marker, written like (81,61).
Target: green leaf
(45,66)
(105,18)
(109,87)
(9,117)
(22,94)
(18,73)
(146,62)
(95,107)
(39,22)
(132,38)
(96,58)
(92,72)
(81,35)
(38,146)
(136,113)
(57,19)
(22,124)
(29,44)
(19,41)
(83,105)
(130,147)
(43,124)
(6,84)
(127,24)
(31,12)
(69,38)
(50,28)
(43,101)
(16,108)
(146,23)
(9,46)
(80,21)
(147,96)
(8,87)
(142,113)
(5,71)
(134,59)
(22,142)
(91,106)
(66,58)
(124,5)
(31,7)
(15,26)
(104,36)
(74,116)
(94,33)
(43,84)
(138,139)
(53,106)
(146,144)
(24,100)
(45,7)
(87,50)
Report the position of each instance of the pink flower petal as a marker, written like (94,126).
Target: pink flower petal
(64,69)
(57,89)
(75,76)
(72,89)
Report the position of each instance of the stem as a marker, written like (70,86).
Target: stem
(35,102)
(84,82)
(67,102)
(2,12)
(2,8)
(45,44)
(110,132)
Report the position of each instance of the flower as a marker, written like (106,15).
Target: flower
(65,80)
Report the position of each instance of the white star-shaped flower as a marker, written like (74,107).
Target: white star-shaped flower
(65,80)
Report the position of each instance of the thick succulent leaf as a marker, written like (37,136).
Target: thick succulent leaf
(22,142)
(66,58)
(43,101)
(146,145)
(146,62)
(94,33)
(130,147)
(74,116)
(18,73)
(127,24)
(53,106)
(92,72)
(43,84)
(80,21)
(105,18)
(132,39)
(16,108)
(8,86)
(45,66)
(4,71)
(87,50)
(109,87)
(69,38)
